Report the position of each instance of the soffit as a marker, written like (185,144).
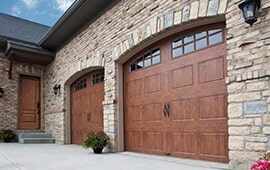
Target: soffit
(79,15)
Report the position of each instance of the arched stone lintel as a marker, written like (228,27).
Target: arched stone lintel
(192,12)
(84,66)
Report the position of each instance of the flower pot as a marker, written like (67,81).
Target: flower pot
(97,150)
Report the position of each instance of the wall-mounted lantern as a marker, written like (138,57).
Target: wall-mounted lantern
(56,88)
(1,92)
(249,9)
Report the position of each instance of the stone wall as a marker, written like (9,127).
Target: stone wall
(132,25)
(9,103)
(248,85)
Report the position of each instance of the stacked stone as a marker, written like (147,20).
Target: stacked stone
(248,85)
(9,102)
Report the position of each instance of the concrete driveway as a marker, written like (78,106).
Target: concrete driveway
(15,156)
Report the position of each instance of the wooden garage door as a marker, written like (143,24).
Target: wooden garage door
(176,98)
(87,95)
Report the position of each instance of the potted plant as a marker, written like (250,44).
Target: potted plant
(263,163)
(7,135)
(96,140)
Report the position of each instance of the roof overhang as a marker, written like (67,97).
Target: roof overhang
(77,17)
(28,53)
(2,45)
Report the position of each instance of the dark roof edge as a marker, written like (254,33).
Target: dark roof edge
(4,38)
(73,8)
(18,46)
(2,44)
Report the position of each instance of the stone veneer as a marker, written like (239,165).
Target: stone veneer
(131,24)
(248,85)
(9,102)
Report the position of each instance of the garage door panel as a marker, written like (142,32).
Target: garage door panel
(153,142)
(135,87)
(212,107)
(152,113)
(134,140)
(182,77)
(134,114)
(153,84)
(184,143)
(211,70)
(94,117)
(181,110)
(208,140)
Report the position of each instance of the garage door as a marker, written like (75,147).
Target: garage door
(176,97)
(87,95)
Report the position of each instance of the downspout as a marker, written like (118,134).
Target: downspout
(11,60)
(10,67)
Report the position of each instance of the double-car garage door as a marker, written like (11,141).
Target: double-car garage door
(176,97)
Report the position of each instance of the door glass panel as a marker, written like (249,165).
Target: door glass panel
(177,52)
(188,39)
(97,77)
(200,35)
(201,43)
(156,52)
(140,65)
(196,41)
(216,38)
(156,59)
(214,31)
(189,48)
(81,84)
(177,43)
(146,60)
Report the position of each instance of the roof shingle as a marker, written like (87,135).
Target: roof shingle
(23,30)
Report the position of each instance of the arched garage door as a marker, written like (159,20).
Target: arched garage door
(176,97)
(87,95)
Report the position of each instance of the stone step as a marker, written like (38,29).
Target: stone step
(36,138)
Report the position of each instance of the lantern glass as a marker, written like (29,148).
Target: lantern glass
(249,9)
(250,13)
(1,92)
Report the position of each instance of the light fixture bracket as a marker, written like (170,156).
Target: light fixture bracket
(56,89)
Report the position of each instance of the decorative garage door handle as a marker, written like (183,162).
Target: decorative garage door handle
(166,110)
(88,117)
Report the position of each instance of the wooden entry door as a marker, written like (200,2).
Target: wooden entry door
(176,105)
(87,95)
(29,102)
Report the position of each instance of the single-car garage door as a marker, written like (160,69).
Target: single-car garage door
(176,97)
(87,95)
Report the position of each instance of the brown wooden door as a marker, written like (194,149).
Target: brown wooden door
(178,106)
(87,95)
(29,102)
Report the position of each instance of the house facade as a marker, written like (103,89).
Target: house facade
(188,79)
